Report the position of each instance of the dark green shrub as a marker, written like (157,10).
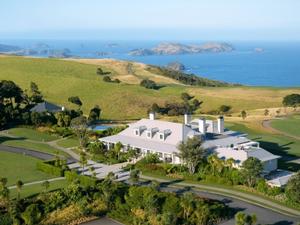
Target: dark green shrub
(48,168)
(85,181)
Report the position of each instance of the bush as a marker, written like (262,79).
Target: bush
(46,167)
(85,181)
(150,84)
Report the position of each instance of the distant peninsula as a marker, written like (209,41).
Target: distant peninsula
(168,48)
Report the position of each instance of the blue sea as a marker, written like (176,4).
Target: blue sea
(277,65)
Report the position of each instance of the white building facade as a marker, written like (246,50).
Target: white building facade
(162,138)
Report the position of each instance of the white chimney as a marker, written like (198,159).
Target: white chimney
(202,125)
(152,115)
(220,124)
(187,118)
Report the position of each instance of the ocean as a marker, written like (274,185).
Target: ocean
(277,65)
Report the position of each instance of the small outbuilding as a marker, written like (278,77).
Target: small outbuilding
(46,107)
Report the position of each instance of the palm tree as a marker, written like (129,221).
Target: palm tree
(46,185)
(134,176)
(230,162)
(92,171)
(216,163)
(187,204)
(244,219)
(19,186)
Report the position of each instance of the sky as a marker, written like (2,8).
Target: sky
(151,19)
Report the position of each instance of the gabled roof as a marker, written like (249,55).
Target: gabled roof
(261,154)
(46,107)
(175,133)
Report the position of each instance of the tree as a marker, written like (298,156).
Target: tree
(100,71)
(266,112)
(244,114)
(95,113)
(75,100)
(80,128)
(243,219)
(46,185)
(9,90)
(117,149)
(107,79)
(186,97)
(191,153)
(292,100)
(150,84)
(36,95)
(134,176)
(4,192)
(292,189)
(83,160)
(251,170)
(92,171)
(31,215)
(224,108)
(19,186)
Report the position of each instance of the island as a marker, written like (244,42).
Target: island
(168,48)
(177,66)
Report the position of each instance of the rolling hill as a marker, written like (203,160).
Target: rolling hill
(58,79)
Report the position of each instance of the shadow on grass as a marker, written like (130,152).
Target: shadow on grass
(283,151)
(4,139)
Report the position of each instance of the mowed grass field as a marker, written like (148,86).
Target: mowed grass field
(60,79)
(289,125)
(20,167)
(30,190)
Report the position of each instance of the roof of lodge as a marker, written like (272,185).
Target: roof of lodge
(46,107)
(180,132)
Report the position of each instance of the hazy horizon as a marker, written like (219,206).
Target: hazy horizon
(156,20)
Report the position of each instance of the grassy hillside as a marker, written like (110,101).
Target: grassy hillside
(59,79)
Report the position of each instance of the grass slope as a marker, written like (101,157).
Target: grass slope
(31,134)
(20,167)
(60,79)
(288,125)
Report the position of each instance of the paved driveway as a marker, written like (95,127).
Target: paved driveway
(103,221)
(101,170)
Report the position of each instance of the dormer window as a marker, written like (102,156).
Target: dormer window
(139,130)
(149,134)
(161,137)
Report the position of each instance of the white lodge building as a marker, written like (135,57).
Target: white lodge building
(162,137)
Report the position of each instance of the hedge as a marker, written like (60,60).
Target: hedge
(83,180)
(46,167)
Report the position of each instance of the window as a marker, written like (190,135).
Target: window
(149,135)
(161,137)
(148,152)
(160,155)
(136,132)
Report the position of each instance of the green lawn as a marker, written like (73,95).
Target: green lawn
(290,125)
(38,188)
(41,147)
(20,167)
(68,143)
(277,144)
(31,134)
